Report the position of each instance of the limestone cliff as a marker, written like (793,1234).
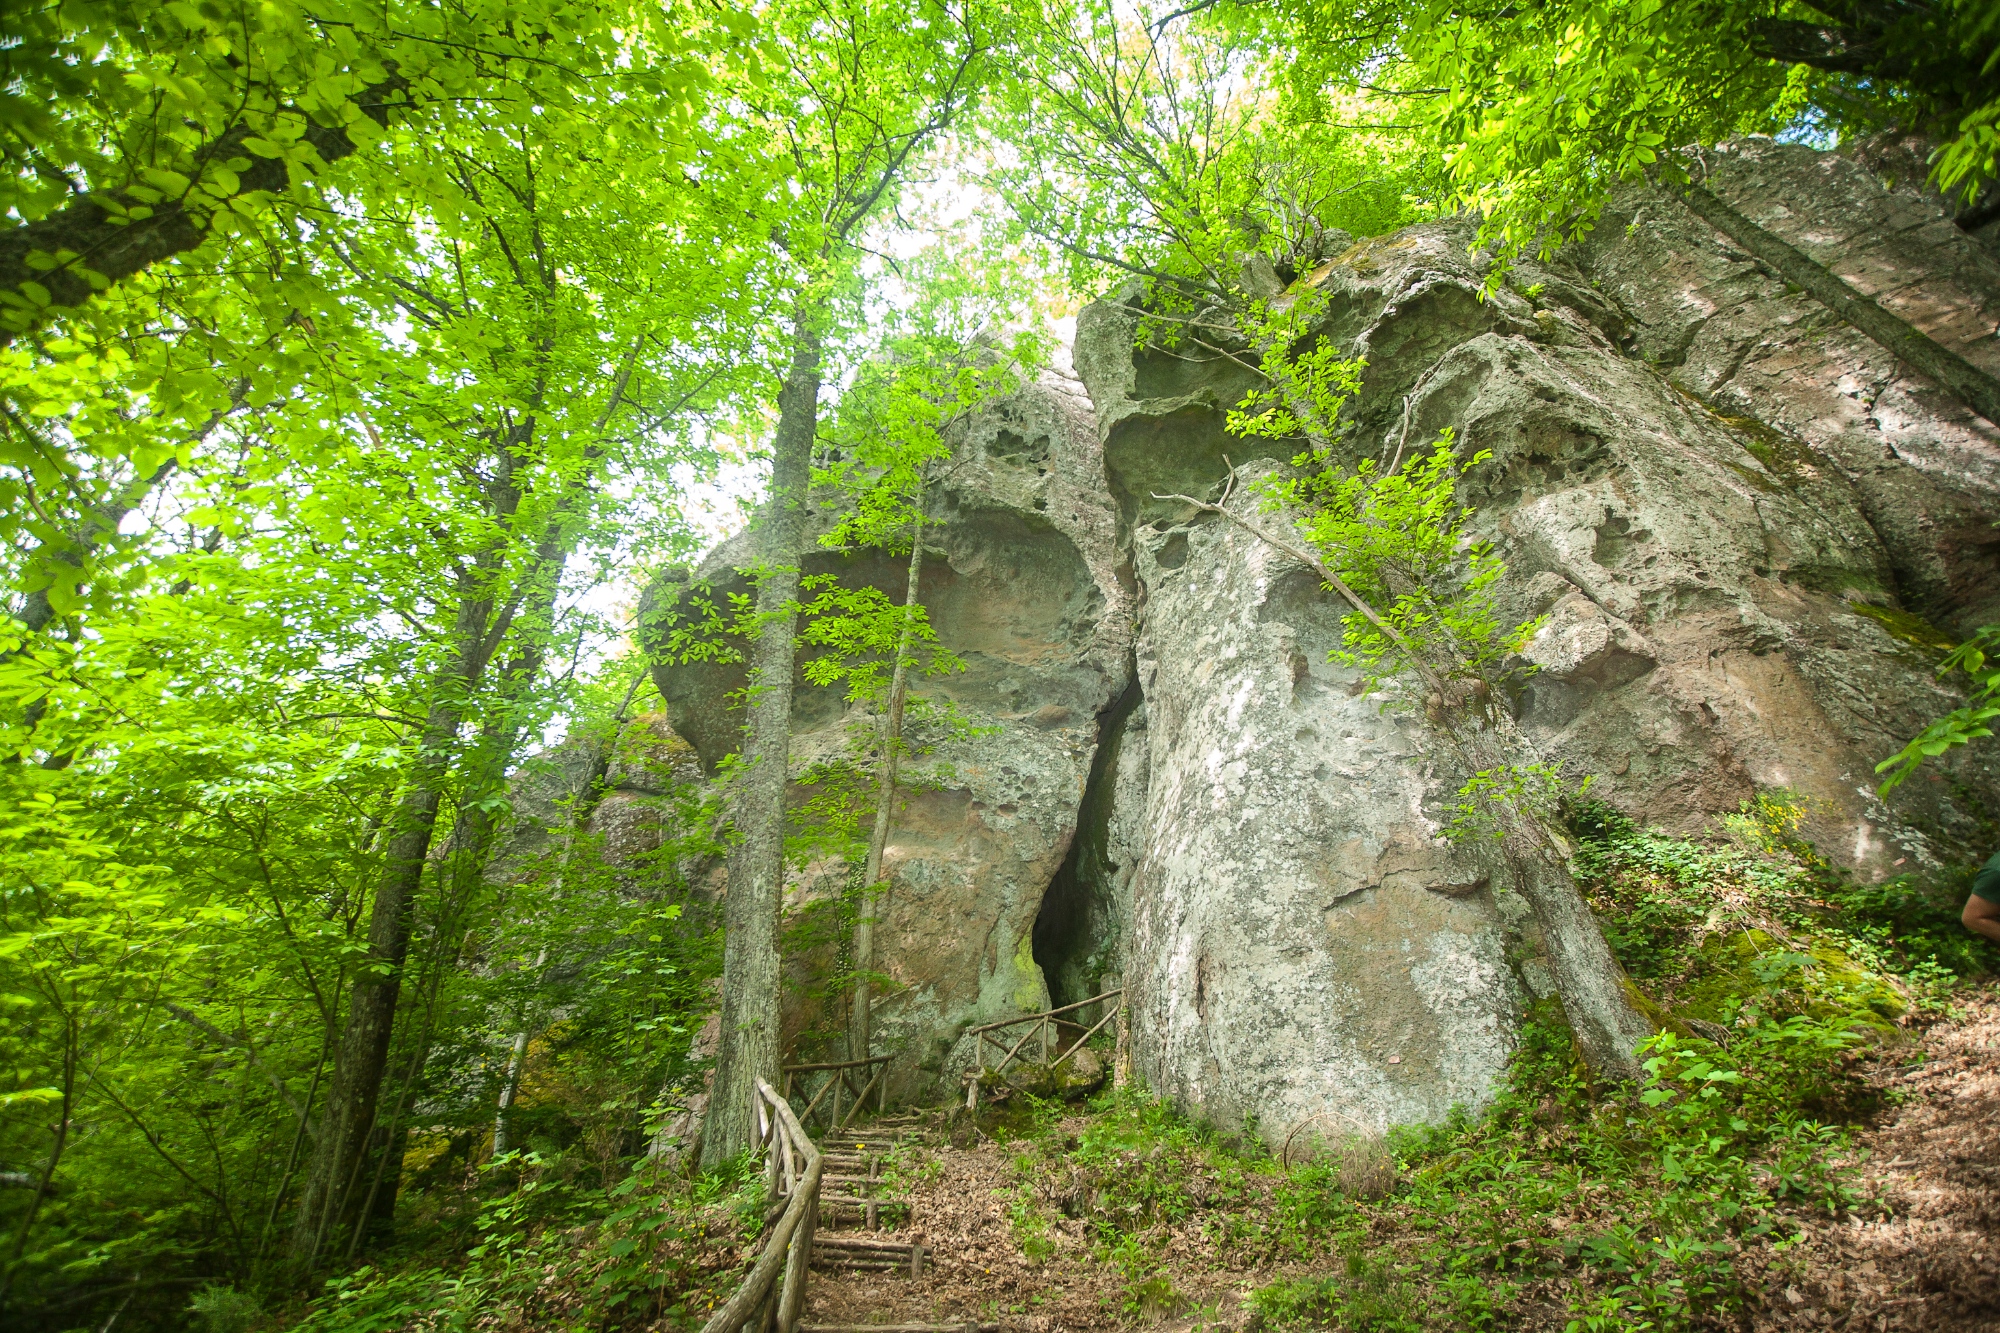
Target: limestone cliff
(1744,520)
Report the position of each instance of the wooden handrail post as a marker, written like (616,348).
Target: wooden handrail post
(792,1301)
(757,1303)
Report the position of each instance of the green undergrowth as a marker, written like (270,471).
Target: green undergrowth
(1663,1206)
(1762,920)
(653,1250)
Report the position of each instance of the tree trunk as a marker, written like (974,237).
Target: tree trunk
(1916,349)
(362,1057)
(340,1153)
(750,1000)
(858,1035)
(1590,982)
(512,1078)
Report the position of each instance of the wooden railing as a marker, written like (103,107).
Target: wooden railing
(841,1077)
(1048,1026)
(792,1169)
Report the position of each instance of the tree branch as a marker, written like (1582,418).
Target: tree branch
(99,241)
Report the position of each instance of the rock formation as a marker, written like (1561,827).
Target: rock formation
(1748,527)
(1022,584)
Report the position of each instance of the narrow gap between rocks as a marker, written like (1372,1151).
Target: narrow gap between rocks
(1077,930)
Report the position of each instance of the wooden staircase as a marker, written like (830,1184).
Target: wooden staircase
(819,1189)
(851,1196)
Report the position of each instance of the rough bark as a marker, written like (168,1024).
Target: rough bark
(858,1035)
(361,1060)
(748,1048)
(102,241)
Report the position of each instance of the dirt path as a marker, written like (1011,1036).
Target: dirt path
(976,1269)
(1934,1263)
(1931,1264)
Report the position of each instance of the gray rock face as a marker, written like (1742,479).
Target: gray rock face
(1924,469)
(1021,583)
(1721,567)
(1739,517)
(1302,946)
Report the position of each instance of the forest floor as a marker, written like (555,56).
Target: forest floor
(1924,1254)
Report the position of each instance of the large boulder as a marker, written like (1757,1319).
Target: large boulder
(1736,587)
(1020,580)
(1748,528)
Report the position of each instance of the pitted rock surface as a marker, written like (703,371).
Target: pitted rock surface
(1731,585)
(1021,582)
(1746,525)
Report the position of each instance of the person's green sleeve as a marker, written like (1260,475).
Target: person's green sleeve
(1986,884)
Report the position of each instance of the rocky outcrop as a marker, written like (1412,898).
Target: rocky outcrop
(1747,527)
(1733,581)
(1021,583)
(1923,468)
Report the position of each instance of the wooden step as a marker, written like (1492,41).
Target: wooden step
(899,1327)
(874,1258)
(839,1241)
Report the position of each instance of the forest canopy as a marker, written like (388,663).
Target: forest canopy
(358,364)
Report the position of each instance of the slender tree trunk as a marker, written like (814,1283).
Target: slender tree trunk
(1971,385)
(858,1036)
(512,1079)
(362,1056)
(361,1063)
(47,1181)
(469,846)
(748,1047)
(1596,994)
(298,1142)
(361,1059)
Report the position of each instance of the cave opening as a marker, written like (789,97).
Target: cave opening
(1080,928)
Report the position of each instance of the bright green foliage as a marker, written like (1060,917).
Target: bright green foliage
(360,448)
(1303,392)
(1370,1292)
(855,631)
(110,404)
(1701,924)
(558,1249)
(1979,658)
(1396,535)
(1156,151)
(1538,111)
